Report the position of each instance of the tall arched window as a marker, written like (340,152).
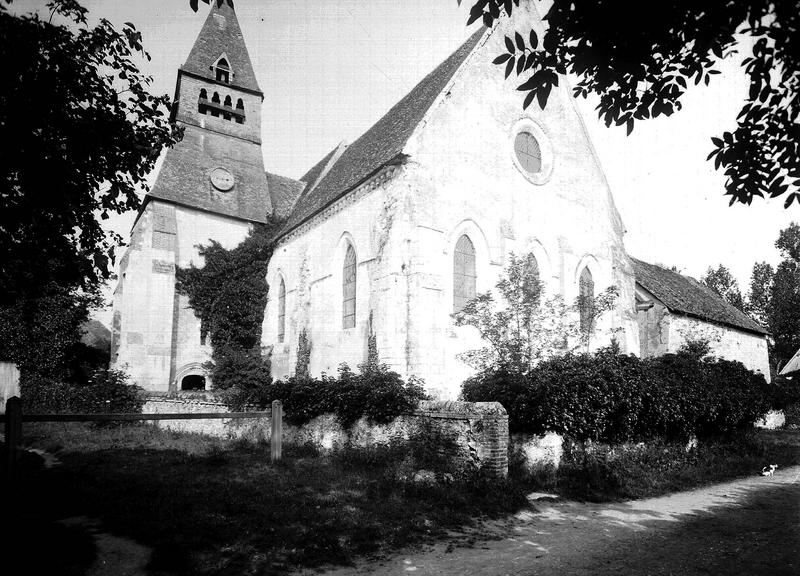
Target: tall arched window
(464,275)
(349,288)
(281,310)
(586,300)
(531,281)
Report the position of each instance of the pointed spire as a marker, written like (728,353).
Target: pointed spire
(221,35)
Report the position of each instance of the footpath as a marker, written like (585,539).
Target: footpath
(749,526)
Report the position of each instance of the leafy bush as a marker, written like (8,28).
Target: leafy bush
(108,391)
(242,370)
(610,397)
(786,393)
(523,327)
(375,392)
(229,295)
(599,472)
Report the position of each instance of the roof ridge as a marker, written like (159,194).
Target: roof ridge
(384,141)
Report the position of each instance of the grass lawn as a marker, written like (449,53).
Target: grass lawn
(217,507)
(209,506)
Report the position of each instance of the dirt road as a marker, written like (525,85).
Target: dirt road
(747,527)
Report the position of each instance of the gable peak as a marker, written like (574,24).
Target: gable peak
(221,41)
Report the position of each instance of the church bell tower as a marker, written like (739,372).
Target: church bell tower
(211,186)
(218,165)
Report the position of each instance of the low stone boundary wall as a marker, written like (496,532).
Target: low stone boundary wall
(9,383)
(480,429)
(536,451)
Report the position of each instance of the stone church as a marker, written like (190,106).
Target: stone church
(391,234)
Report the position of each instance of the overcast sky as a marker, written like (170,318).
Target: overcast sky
(330,68)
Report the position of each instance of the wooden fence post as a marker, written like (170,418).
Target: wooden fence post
(13,434)
(276,437)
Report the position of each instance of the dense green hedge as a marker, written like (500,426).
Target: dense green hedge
(375,392)
(107,391)
(610,397)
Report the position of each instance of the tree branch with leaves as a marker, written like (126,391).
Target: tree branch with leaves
(639,62)
(525,326)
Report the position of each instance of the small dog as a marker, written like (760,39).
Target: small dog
(769,470)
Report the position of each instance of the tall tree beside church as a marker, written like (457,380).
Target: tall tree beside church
(721,281)
(640,65)
(80,134)
(783,311)
(760,292)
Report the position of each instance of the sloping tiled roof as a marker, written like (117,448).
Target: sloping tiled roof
(283,192)
(792,365)
(685,295)
(221,34)
(382,144)
(184,175)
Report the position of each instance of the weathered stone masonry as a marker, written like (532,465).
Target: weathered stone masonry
(479,428)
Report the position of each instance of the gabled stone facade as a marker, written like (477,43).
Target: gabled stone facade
(449,171)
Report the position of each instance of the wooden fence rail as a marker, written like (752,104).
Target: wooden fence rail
(14,418)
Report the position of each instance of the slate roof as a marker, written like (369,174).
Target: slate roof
(283,192)
(382,144)
(685,295)
(221,34)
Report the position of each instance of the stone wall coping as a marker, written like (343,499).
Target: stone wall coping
(443,409)
(457,409)
(184,395)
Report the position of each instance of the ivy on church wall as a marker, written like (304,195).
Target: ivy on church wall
(229,296)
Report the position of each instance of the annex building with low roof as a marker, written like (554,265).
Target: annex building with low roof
(673,309)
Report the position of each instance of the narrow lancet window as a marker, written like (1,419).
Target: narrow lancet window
(349,289)
(464,275)
(586,301)
(281,311)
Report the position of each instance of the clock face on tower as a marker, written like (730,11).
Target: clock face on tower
(222,179)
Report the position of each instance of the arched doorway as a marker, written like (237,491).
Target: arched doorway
(190,377)
(193,382)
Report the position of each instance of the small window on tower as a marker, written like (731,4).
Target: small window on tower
(239,117)
(202,102)
(223,71)
(228,102)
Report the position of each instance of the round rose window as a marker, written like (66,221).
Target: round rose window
(529,155)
